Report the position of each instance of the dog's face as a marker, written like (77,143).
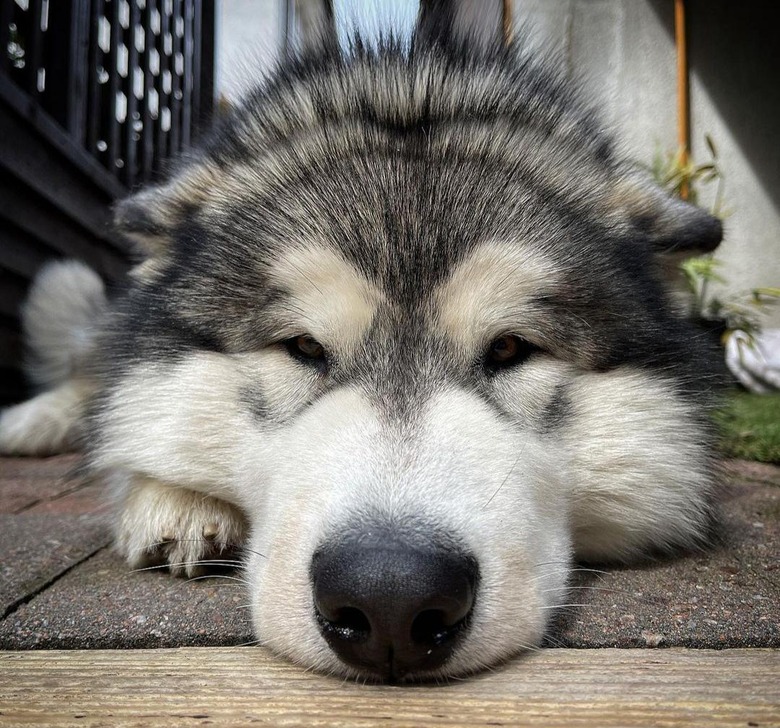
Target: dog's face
(423,350)
(408,513)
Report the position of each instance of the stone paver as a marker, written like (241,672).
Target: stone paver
(25,482)
(748,470)
(726,597)
(38,548)
(87,499)
(103,604)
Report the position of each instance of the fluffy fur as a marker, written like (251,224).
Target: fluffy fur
(409,210)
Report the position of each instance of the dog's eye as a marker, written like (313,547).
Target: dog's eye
(508,351)
(306,349)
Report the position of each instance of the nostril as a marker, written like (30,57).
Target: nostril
(348,624)
(431,628)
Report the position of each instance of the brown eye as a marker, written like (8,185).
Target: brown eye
(307,349)
(507,351)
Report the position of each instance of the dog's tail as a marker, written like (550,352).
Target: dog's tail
(60,322)
(59,319)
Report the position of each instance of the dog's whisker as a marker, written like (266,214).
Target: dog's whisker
(203,562)
(550,638)
(544,575)
(250,643)
(553,570)
(566,563)
(247,550)
(504,481)
(591,588)
(219,576)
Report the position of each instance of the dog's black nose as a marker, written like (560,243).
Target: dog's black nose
(392,609)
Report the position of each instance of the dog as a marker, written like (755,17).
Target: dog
(399,331)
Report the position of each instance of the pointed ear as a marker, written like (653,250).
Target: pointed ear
(315,26)
(150,217)
(446,23)
(671,224)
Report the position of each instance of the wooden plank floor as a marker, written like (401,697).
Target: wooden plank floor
(243,686)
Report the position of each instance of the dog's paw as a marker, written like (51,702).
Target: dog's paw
(161,525)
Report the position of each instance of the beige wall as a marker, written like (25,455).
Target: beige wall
(248,43)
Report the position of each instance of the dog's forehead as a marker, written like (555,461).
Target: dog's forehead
(481,294)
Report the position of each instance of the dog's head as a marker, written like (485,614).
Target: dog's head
(406,301)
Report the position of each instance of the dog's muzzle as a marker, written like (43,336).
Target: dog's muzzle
(389,608)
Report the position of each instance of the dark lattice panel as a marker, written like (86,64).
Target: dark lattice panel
(95,95)
(129,80)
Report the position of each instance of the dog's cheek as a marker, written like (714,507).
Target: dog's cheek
(282,607)
(649,456)
(156,419)
(525,553)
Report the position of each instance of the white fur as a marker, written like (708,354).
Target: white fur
(640,474)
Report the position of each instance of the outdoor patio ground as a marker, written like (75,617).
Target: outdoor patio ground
(697,637)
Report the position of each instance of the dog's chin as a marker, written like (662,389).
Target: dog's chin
(312,653)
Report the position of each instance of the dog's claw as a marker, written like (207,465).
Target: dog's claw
(196,528)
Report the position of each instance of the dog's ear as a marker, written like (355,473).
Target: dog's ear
(315,27)
(453,23)
(150,217)
(670,224)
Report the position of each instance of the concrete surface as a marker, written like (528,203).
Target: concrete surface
(61,586)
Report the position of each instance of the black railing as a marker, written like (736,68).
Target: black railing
(95,96)
(130,81)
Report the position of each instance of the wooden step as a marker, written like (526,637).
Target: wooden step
(242,686)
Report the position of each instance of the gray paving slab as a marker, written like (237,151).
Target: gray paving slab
(103,604)
(37,548)
(25,482)
(726,597)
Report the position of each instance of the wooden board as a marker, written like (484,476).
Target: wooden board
(243,686)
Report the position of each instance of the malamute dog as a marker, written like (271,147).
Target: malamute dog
(399,332)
